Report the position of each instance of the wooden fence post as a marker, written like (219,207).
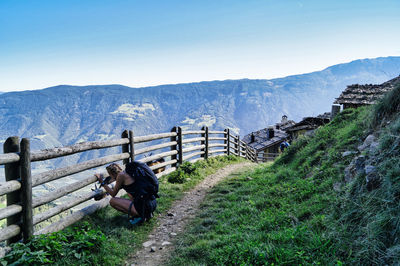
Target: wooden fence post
(26,189)
(249,154)
(237,146)
(174,147)
(12,172)
(125,147)
(180,147)
(255,155)
(228,141)
(203,142)
(206,149)
(131,146)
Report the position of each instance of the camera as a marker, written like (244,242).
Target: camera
(100,194)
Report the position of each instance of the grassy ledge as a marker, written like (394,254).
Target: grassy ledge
(107,238)
(301,210)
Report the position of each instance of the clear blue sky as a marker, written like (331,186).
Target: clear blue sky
(138,43)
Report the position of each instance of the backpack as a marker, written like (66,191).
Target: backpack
(282,146)
(146,181)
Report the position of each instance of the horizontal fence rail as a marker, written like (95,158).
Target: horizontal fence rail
(158,156)
(9,186)
(264,157)
(155,147)
(153,137)
(164,152)
(193,132)
(80,147)
(161,165)
(9,232)
(70,170)
(191,140)
(10,210)
(9,158)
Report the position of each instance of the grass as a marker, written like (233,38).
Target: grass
(387,109)
(282,215)
(371,218)
(2,205)
(72,244)
(120,238)
(300,210)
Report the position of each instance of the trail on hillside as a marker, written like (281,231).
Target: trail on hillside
(160,243)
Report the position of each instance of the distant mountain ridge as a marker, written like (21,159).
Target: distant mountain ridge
(64,114)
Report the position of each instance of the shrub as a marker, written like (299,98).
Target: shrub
(182,173)
(191,170)
(82,243)
(188,168)
(177,176)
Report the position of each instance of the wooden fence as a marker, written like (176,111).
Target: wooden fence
(175,147)
(266,157)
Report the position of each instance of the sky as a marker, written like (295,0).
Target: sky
(45,43)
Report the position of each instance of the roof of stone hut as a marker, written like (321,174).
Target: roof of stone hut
(366,94)
(262,139)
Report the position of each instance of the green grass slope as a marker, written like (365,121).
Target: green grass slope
(302,209)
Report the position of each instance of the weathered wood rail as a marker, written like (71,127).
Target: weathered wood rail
(176,147)
(265,157)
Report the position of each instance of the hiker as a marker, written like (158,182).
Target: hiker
(139,181)
(284,145)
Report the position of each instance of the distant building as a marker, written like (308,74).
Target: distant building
(266,141)
(307,125)
(358,95)
(285,123)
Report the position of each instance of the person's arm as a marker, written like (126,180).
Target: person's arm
(112,191)
(130,196)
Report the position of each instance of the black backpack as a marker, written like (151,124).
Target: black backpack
(146,181)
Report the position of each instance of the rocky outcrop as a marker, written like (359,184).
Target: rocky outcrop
(364,164)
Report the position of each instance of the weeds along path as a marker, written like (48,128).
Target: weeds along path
(160,243)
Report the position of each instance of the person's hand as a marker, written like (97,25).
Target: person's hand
(99,178)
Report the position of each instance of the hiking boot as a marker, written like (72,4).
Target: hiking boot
(136,221)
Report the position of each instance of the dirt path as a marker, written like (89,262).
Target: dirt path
(156,250)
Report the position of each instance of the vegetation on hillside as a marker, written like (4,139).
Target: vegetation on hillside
(368,222)
(302,209)
(107,238)
(2,205)
(78,243)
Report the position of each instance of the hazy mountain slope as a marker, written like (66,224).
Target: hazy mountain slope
(64,114)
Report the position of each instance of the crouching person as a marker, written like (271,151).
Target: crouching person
(141,185)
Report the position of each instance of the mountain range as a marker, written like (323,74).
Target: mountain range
(65,114)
